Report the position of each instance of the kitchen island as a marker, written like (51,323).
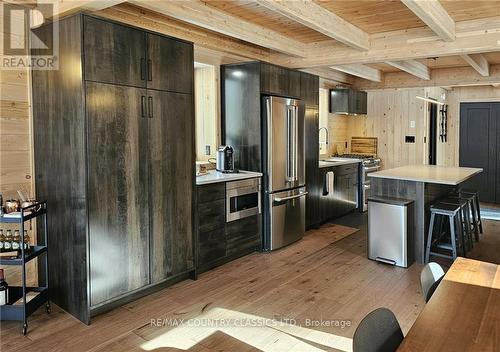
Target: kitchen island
(423,184)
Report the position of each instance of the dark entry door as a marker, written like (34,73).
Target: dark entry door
(480,147)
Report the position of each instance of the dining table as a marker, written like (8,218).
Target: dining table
(463,314)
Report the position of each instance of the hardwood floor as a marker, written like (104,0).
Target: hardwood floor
(325,278)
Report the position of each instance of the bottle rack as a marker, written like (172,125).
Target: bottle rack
(21,312)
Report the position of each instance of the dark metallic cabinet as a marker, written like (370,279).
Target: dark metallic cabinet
(309,92)
(114,53)
(115,162)
(170,64)
(344,196)
(117,190)
(347,101)
(219,241)
(277,80)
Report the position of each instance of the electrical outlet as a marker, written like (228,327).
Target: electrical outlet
(207,149)
(412,124)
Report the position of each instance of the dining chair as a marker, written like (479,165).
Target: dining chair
(379,331)
(430,277)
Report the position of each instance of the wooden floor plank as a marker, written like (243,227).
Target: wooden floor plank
(326,277)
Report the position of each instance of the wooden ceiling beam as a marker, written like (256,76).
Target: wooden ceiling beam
(362,71)
(440,77)
(479,63)
(68,7)
(200,14)
(473,37)
(433,14)
(412,67)
(321,20)
(331,75)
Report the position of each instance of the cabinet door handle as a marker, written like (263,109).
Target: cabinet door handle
(143,106)
(150,70)
(150,107)
(143,69)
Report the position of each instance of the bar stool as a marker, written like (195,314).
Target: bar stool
(454,214)
(475,221)
(465,209)
(475,206)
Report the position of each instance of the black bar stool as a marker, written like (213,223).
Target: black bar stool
(454,214)
(473,215)
(465,208)
(475,205)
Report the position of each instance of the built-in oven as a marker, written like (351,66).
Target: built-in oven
(243,199)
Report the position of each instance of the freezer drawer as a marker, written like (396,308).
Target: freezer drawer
(390,231)
(287,217)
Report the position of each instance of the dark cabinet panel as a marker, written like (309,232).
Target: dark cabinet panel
(210,192)
(313,182)
(170,117)
(212,246)
(243,235)
(61,171)
(348,101)
(114,53)
(170,64)
(211,215)
(280,81)
(309,89)
(344,196)
(117,190)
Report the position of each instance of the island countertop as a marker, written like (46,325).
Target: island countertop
(429,173)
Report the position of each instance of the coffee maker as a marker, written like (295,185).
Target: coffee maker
(225,159)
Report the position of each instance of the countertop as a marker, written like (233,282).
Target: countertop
(216,176)
(429,173)
(336,161)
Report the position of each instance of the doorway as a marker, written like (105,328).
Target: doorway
(480,147)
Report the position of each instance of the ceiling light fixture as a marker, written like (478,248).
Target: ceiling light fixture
(430,100)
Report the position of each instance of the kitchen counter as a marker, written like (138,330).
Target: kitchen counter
(216,176)
(429,174)
(337,161)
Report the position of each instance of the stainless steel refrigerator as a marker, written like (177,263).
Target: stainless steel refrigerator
(284,171)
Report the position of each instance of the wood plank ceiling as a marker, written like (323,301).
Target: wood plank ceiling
(416,37)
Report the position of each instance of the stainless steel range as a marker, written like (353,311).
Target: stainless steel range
(369,163)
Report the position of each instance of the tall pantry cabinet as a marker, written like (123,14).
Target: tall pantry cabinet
(114,157)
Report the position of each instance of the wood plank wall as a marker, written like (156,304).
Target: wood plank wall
(16,159)
(389,117)
(207,111)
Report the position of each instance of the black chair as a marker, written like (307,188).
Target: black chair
(379,331)
(430,277)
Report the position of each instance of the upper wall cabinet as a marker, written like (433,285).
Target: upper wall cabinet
(309,89)
(170,64)
(278,80)
(114,53)
(347,101)
(122,55)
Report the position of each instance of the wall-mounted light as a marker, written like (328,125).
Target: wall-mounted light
(430,100)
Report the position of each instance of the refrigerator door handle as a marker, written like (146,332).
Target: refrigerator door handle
(296,143)
(289,146)
(284,199)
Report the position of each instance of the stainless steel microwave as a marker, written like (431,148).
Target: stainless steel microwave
(243,199)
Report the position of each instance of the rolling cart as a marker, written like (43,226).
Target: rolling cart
(21,312)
